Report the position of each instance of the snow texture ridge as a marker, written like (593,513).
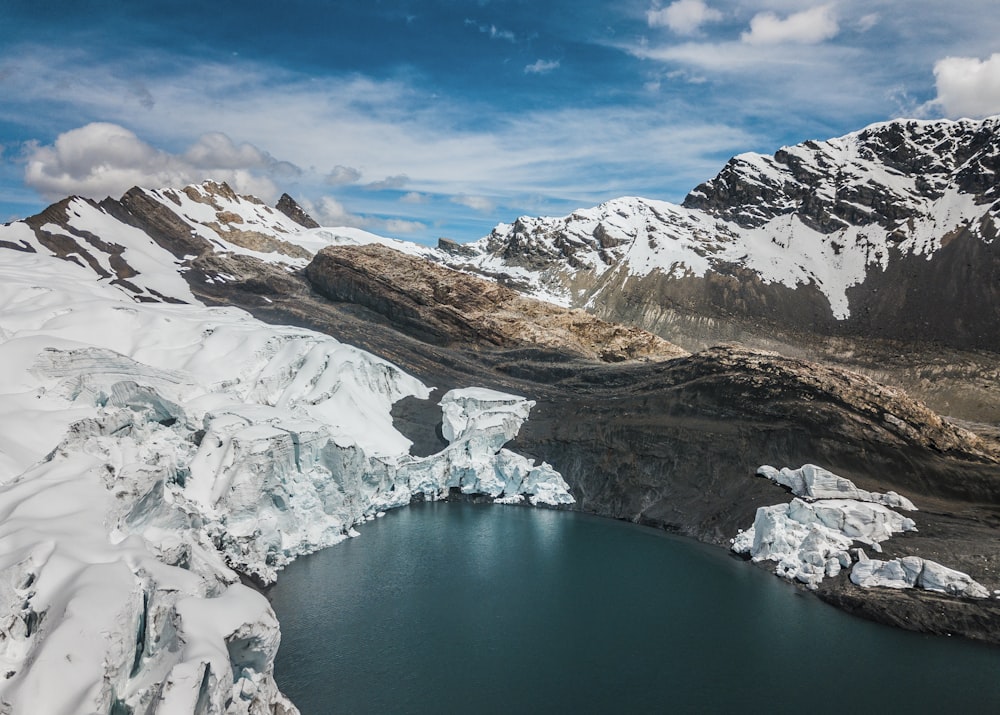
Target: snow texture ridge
(152,452)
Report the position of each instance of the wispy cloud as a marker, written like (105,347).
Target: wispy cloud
(807,27)
(494,32)
(685,17)
(341,175)
(328,211)
(541,66)
(476,203)
(389,183)
(529,161)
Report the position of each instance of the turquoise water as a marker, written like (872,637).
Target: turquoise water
(453,608)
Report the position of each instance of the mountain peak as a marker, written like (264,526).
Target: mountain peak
(288,206)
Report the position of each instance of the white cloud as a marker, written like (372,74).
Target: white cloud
(476,203)
(967,86)
(328,211)
(397,225)
(103,159)
(530,160)
(867,22)
(390,182)
(685,17)
(807,27)
(341,175)
(541,66)
(414,197)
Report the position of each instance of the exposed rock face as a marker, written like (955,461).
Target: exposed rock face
(447,307)
(288,206)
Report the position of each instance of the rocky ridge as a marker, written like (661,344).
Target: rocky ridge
(444,307)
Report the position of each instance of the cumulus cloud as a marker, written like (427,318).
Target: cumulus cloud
(341,175)
(103,159)
(476,203)
(414,197)
(807,27)
(967,86)
(541,66)
(685,17)
(389,182)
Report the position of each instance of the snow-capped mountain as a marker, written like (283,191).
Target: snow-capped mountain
(154,449)
(887,231)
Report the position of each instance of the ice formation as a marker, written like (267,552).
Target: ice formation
(811,541)
(915,572)
(149,453)
(813,536)
(811,483)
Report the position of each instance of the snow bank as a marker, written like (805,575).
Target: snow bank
(150,452)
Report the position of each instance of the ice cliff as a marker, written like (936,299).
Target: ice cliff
(815,535)
(152,453)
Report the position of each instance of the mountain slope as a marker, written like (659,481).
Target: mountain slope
(888,232)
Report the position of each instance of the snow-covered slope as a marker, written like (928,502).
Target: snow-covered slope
(150,452)
(128,243)
(905,206)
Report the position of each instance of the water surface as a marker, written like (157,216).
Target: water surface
(441,608)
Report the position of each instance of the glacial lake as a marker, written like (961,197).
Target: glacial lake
(462,608)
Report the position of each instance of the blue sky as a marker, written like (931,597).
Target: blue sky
(445,117)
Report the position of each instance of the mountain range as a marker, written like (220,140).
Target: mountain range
(226,385)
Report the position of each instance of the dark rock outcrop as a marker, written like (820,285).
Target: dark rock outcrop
(288,206)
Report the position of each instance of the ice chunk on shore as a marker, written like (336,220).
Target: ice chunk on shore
(915,572)
(811,538)
(810,542)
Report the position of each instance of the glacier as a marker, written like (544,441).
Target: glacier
(152,455)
